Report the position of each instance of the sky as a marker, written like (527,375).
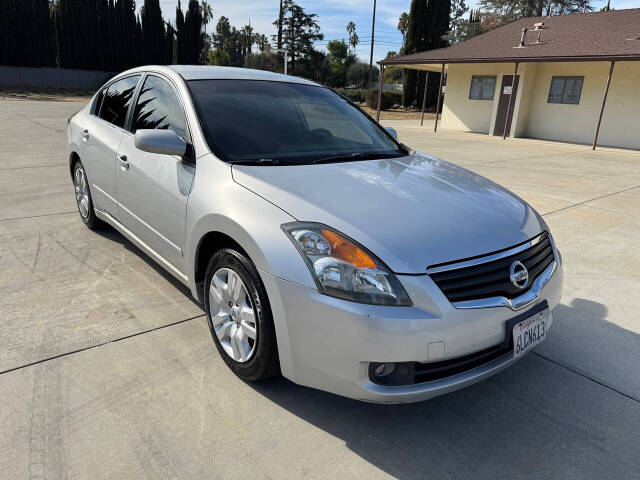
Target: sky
(333,16)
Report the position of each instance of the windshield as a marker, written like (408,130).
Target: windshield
(251,121)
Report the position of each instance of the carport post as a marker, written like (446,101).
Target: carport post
(435,128)
(604,102)
(506,120)
(379,92)
(424,96)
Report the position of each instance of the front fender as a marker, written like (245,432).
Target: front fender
(218,204)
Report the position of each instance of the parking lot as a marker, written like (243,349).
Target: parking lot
(107,368)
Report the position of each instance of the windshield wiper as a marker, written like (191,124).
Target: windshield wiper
(263,161)
(353,157)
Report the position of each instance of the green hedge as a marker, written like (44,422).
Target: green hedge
(356,96)
(389,99)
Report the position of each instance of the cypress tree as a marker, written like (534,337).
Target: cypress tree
(181,34)
(194,42)
(153,33)
(428,24)
(42,34)
(414,43)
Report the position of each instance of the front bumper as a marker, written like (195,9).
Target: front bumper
(328,343)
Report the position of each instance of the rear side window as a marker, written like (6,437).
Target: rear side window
(158,107)
(117,99)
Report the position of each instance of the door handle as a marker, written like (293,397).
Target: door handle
(124,163)
(85,135)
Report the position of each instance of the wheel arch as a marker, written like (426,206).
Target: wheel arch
(208,244)
(73,159)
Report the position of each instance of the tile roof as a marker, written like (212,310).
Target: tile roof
(586,36)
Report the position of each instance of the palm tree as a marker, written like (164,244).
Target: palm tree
(403,25)
(207,13)
(353,36)
(246,34)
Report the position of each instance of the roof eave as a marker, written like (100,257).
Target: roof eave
(583,58)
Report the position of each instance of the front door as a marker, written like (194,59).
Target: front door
(153,189)
(503,104)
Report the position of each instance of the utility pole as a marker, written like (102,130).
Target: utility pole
(373,28)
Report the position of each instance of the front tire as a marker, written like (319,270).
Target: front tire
(83,198)
(239,316)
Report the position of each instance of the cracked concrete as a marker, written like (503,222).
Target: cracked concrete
(110,372)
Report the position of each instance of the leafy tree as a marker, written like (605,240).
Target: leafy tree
(341,59)
(457,23)
(264,61)
(218,57)
(507,11)
(358,75)
(300,30)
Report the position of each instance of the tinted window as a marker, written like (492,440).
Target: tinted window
(565,90)
(117,99)
(158,108)
(250,120)
(482,88)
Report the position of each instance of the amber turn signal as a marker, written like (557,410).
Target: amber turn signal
(347,251)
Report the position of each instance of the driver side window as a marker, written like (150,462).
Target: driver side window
(158,107)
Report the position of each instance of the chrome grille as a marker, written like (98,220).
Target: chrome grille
(491,279)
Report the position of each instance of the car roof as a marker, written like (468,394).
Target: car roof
(209,72)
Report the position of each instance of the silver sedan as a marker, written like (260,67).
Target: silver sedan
(321,248)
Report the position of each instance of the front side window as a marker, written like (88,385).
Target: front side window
(565,90)
(257,121)
(158,107)
(117,99)
(482,88)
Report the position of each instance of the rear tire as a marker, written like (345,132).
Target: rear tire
(239,316)
(84,200)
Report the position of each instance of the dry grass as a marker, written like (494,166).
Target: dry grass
(399,114)
(46,94)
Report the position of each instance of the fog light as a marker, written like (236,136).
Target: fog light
(384,369)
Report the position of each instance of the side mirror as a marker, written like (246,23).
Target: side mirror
(392,132)
(164,142)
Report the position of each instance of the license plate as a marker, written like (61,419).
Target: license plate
(530,332)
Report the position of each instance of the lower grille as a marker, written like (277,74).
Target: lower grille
(410,373)
(491,279)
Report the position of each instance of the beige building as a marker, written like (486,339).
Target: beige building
(573,78)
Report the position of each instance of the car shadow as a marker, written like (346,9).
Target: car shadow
(113,235)
(536,419)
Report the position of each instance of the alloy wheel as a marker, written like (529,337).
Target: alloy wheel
(82,192)
(232,315)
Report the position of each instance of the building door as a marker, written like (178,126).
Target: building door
(503,104)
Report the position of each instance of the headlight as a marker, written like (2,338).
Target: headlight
(344,269)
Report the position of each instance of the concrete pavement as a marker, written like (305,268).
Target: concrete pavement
(109,370)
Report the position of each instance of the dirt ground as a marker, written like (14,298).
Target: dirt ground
(399,114)
(9,93)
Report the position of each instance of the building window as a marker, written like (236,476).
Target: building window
(482,88)
(565,90)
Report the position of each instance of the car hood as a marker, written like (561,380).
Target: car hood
(411,212)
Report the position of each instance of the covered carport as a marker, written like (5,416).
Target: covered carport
(570,78)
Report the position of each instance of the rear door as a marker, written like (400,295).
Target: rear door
(509,88)
(153,189)
(102,136)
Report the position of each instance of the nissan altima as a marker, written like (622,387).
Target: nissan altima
(320,247)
